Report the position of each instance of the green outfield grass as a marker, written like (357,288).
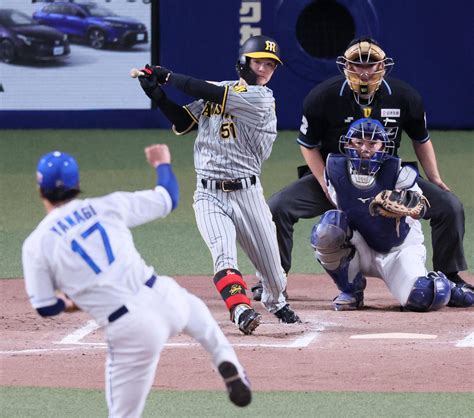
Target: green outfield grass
(113,160)
(69,403)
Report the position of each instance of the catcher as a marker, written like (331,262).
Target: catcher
(375,230)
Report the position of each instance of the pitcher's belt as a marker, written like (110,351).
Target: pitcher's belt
(229,185)
(123,309)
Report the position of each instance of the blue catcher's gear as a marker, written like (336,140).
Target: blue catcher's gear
(429,293)
(363,168)
(57,170)
(461,296)
(330,240)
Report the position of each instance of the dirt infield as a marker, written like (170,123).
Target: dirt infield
(376,349)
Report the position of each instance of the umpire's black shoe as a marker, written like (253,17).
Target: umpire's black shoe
(249,320)
(237,386)
(287,315)
(457,279)
(257,291)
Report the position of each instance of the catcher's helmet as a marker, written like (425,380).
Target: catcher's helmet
(256,47)
(363,168)
(57,170)
(364,52)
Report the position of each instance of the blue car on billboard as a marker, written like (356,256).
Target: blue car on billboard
(94,24)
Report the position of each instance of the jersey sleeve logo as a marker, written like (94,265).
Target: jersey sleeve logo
(239,89)
(304,125)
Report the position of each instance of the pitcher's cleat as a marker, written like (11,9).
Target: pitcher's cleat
(237,385)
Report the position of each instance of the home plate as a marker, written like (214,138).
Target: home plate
(394,336)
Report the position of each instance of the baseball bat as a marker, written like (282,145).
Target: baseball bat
(134,73)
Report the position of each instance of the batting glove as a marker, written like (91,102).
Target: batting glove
(159,74)
(150,85)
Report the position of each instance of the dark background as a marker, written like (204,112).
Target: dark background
(430,42)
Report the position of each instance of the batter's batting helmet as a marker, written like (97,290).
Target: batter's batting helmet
(256,47)
(364,64)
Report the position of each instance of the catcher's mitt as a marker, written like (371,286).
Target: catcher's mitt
(399,203)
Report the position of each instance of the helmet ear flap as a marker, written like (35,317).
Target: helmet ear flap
(244,71)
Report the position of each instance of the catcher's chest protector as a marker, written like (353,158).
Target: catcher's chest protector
(380,233)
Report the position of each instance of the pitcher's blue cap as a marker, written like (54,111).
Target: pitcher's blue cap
(57,169)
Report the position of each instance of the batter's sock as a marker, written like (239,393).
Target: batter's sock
(231,286)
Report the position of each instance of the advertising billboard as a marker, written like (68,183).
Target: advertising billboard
(73,55)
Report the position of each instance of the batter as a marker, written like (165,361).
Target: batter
(236,128)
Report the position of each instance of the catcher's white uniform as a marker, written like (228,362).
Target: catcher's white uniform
(402,264)
(85,249)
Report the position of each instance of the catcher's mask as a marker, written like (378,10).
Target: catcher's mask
(364,64)
(367,146)
(256,47)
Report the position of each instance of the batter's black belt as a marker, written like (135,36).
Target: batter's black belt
(123,309)
(229,185)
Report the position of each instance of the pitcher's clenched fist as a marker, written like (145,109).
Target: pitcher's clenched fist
(157,154)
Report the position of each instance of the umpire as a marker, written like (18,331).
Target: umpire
(363,91)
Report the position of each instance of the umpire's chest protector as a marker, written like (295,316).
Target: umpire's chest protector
(380,233)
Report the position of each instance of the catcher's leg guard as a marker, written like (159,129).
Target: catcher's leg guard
(330,240)
(429,293)
(462,296)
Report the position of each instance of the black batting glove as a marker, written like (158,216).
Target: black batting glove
(150,85)
(162,74)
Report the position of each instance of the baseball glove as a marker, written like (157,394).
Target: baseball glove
(399,203)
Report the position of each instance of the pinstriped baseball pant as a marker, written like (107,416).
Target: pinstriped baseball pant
(242,216)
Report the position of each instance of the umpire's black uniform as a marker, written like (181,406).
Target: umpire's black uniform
(329,109)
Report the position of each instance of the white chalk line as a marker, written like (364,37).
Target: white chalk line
(394,336)
(467,341)
(75,338)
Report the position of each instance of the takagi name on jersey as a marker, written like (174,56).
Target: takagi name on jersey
(75,218)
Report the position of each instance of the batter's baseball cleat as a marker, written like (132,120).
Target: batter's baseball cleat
(237,386)
(249,320)
(461,296)
(287,315)
(348,301)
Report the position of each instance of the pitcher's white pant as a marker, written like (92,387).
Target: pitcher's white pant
(136,340)
(398,268)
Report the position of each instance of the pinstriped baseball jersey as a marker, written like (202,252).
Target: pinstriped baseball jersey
(236,136)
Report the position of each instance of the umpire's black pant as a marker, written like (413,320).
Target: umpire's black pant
(305,199)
